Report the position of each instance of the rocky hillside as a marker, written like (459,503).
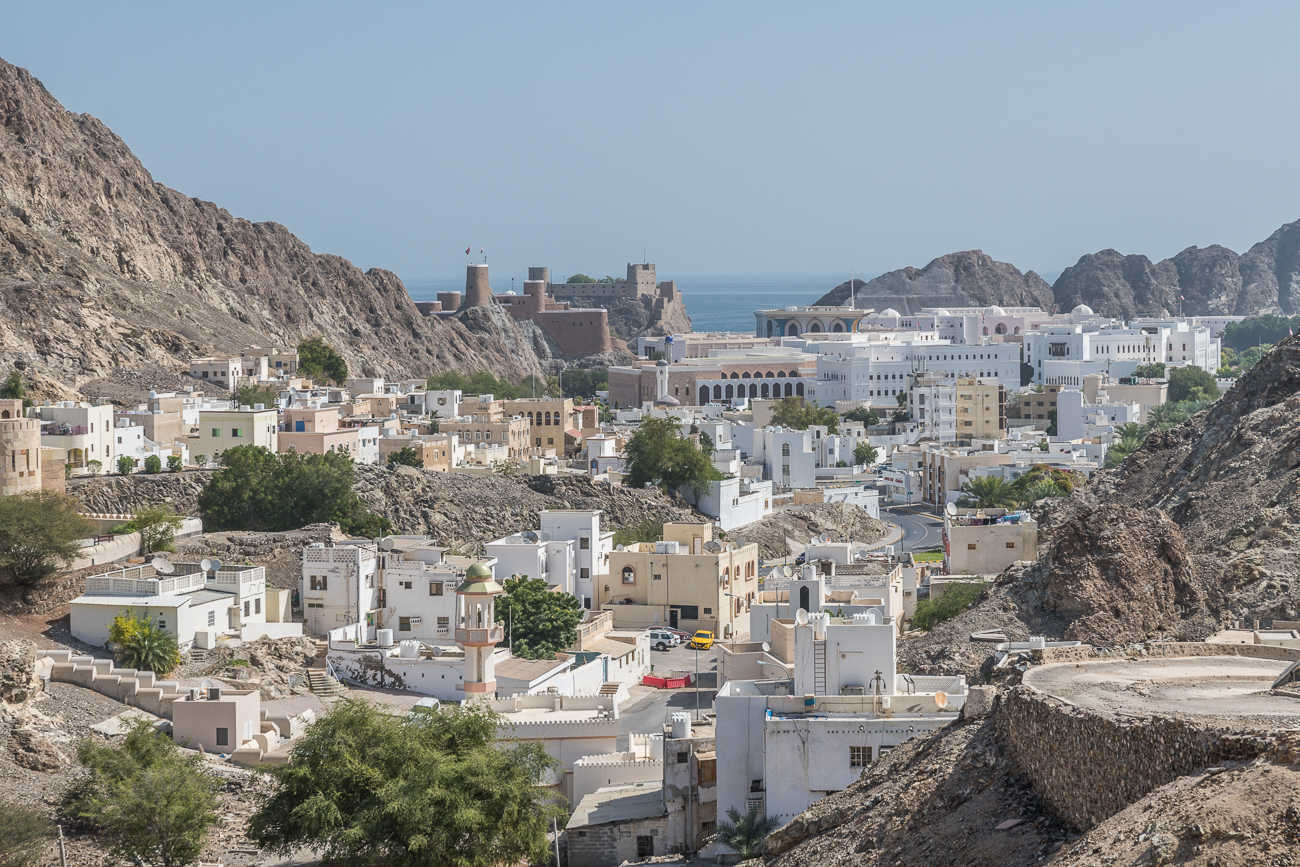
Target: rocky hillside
(967,279)
(101,268)
(637,317)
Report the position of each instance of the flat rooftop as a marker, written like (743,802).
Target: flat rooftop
(1212,687)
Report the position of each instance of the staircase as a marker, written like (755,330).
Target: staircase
(819,667)
(198,654)
(609,688)
(323,683)
(322,649)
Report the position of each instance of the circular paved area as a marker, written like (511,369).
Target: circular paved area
(1216,686)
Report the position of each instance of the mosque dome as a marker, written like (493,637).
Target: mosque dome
(939,311)
(1082,310)
(994,310)
(890,311)
(668,400)
(478,580)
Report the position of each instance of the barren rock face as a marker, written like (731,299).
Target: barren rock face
(31,750)
(18,681)
(1121,574)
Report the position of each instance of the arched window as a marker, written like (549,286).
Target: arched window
(730,392)
(735,376)
(803,597)
(798,389)
(4,414)
(769,328)
(839,326)
(717,392)
(986,331)
(629,575)
(745,375)
(1017,331)
(767,390)
(753,389)
(789,389)
(769,374)
(548,418)
(726,575)
(785,450)
(815,328)
(704,395)
(780,374)
(793,329)
(1001,329)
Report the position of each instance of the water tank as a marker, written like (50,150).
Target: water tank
(681,725)
(870,617)
(1037,642)
(409,649)
(384,637)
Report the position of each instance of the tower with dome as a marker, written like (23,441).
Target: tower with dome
(477,631)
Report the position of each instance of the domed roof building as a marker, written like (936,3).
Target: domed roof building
(1083,310)
(994,310)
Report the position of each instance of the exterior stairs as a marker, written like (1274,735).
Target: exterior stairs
(198,654)
(323,684)
(609,687)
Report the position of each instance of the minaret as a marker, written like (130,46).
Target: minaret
(477,631)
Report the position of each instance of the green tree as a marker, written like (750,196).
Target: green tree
(317,359)
(797,414)
(986,492)
(200,460)
(646,531)
(863,415)
(1026,373)
(141,644)
(442,790)
(581,278)
(25,835)
(956,598)
(38,535)
(1133,430)
(125,465)
(1041,491)
(1051,423)
(1191,383)
(252,395)
(259,490)
(146,800)
(1257,330)
(1155,370)
(153,465)
(174,464)
(901,399)
(12,389)
(406,456)
(94,467)
(658,454)
(745,834)
(157,526)
(539,623)
(865,454)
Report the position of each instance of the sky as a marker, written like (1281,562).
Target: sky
(718,138)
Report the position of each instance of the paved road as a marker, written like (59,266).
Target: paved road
(920,531)
(647,712)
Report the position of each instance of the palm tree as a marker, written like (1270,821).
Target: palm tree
(745,834)
(144,646)
(1158,416)
(1041,491)
(986,492)
(1133,431)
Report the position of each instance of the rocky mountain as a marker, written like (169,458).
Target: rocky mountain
(967,279)
(102,268)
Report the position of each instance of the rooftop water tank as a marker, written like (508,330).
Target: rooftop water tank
(409,649)
(681,725)
(384,637)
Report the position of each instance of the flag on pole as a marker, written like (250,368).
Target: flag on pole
(467,249)
(1181,298)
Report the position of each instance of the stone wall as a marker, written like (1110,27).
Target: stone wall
(616,842)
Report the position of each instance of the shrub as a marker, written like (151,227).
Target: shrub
(407,457)
(39,532)
(153,465)
(24,834)
(125,464)
(95,467)
(956,598)
(174,464)
(142,645)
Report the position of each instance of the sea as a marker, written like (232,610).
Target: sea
(715,302)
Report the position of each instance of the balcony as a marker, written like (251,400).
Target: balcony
(65,431)
(492,635)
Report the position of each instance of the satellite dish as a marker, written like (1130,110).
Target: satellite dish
(740,542)
(787,572)
(712,547)
(546,537)
(823,538)
(951,509)
(216,565)
(766,647)
(205,564)
(529,536)
(941,699)
(620,548)
(387,544)
(162,567)
(585,615)
(801,617)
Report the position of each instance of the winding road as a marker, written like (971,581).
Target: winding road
(920,530)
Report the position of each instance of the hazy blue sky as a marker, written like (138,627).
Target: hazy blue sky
(752,138)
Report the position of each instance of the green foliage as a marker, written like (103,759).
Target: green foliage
(1191,383)
(125,465)
(1063,480)
(259,490)
(200,460)
(1234,363)
(406,456)
(153,465)
(318,359)
(157,526)
(38,535)
(1040,491)
(1026,373)
(1257,330)
(656,355)
(581,278)
(94,466)
(1051,423)
(865,454)
(863,415)
(238,663)
(142,645)
(25,834)
(539,623)
(841,463)
(365,787)
(745,834)
(585,383)
(252,395)
(1013,405)
(900,415)
(646,531)
(174,464)
(986,492)
(956,598)
(485,383)
(12,389)
(1155,370)
(797,414)
(658,454)
(901,399)
(146,800)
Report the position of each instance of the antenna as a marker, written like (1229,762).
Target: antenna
(801,617)
(162,567)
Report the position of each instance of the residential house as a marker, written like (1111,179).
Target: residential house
(83,431)
(221,429)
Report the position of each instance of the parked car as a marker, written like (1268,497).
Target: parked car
(702,640)
(680,633)
(800,560)
(662,639)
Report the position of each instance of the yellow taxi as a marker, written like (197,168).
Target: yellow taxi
(702,640)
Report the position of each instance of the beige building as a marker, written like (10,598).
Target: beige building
(687,581)
(1098,388)
(981,408)
(1036,405)
(221,429)
(488,423)
(548,419)
(20,450)
(438,451)
(83,431)
(945,469)
(316,431)
(976,544)
(217,719)
(221,370)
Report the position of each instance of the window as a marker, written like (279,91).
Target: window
(683,756)
(859,757)
(629,575)
(212,618)
(658,577)
(1011,544)
(970,546)
(245,607)
(216,431)
(223,737)
(443,624)
(584,543)
(257,605)
(435,588)
(319,582)
(708,610)
(584,574)
(236,432)
(403,624)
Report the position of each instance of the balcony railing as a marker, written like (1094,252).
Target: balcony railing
(64,431)
(492,635)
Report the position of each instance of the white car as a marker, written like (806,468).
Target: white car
(662,639)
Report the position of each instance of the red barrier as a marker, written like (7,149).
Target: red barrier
(666,682)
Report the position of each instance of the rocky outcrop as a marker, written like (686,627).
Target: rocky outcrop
(122,495)
(101,267)
(967,279)
(643,316)
(33,751)
(18,681)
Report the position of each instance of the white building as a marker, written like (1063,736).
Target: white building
(602,455)
(85,432)
(340,586)
(368,437)
(735,502)
(1077,419)
(1065,354)
(788,457)
(569,552)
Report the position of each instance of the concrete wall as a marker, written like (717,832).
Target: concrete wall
(616,842)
